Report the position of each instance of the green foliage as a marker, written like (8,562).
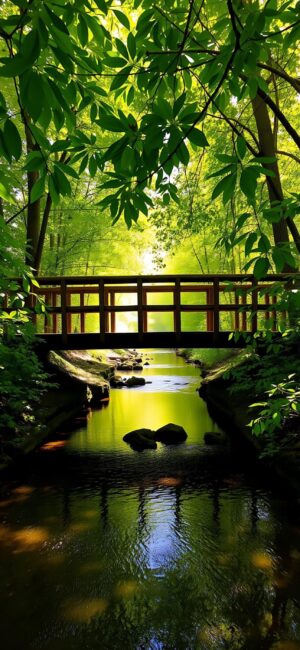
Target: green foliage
(282,407)
(22,378)
(134,93)
(272,368)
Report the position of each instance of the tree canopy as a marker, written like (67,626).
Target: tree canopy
(130,95)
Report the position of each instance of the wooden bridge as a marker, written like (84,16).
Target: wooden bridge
(154,311)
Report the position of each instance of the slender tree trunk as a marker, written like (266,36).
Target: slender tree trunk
(33,210)
(268,149)
(42,234)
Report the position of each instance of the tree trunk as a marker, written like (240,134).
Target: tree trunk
(268,149)
(33,210)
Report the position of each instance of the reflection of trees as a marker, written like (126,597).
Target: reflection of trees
(286,580)
(207,585)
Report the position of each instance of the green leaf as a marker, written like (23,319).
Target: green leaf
(67,169)
(14,67)
(12,139)
(183,153)
(82,30)
(61,182)
(114,62)
(261,267)
(55,20)
(252,87)
(241,147)
(4,193)
(248,182)
(38,189)
(34,162)
(197,137)
(221,186)
(121,48)
(122,18)
(163,109)
(31,46)
(120,78)
(250,241)
(101,4)
(131,45)
(229,188)
(110,123)
(178,104)
(92,166)
(128,161)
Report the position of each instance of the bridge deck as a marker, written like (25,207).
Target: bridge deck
(122,311)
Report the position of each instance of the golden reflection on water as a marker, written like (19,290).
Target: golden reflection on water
(80,527)
(53,445)
(23,489)
(169,481)
(82,611)
(261,561)
(90,514)
(24,539)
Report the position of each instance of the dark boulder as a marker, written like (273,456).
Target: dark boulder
(141,439)
(215,438)
(117,381)
(171,434)
(135,381)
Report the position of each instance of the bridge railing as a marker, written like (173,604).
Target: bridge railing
(242,298)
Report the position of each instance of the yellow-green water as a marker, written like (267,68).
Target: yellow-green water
(104,548)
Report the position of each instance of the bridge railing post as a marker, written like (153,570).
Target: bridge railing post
(254,306)
(140,307)
(177,306)
(64,321)
(102,315)
(216,311)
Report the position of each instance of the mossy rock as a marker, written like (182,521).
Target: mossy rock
(215,438)
(141,439)
(135,381)
(171,434)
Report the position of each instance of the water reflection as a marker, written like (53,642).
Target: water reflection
(173,549)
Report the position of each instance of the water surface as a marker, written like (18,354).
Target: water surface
(104,548)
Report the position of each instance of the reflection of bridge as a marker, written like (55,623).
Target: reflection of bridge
(221,303)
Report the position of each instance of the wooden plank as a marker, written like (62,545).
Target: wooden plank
(243,312)
(145,314)
(140,314)
(274,314)
(129,279)
(209,309)
(237,314)
(216,308)
(148,340)
(102,315)
(254,306)
(54,315)
(64,325)
(177,307)
(112,313)
(82,314)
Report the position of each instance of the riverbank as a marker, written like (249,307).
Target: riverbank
(77,381)
(231,386)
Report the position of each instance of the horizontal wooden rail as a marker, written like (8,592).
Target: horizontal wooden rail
(240,296)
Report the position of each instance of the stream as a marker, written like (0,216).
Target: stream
(179,548)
